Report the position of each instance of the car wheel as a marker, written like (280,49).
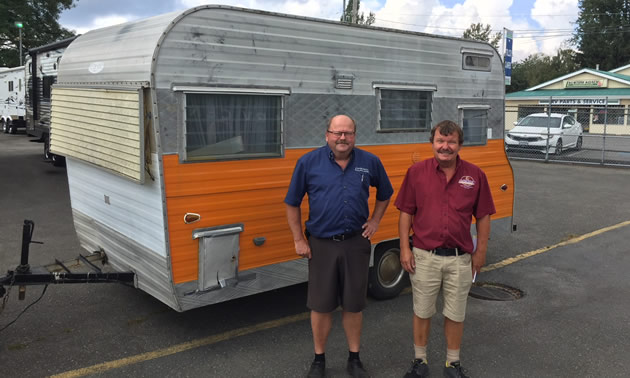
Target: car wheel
(387,278)
(559,147)
(578,144)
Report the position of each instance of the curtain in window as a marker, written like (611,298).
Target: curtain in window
(228,124)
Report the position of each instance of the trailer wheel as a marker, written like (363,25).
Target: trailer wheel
(5,127)
(11,126)
(58,161)
(387,278)
(47,154)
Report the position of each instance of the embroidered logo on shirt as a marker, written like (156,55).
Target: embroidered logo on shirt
(467,182)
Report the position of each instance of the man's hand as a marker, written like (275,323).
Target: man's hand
(407,260)
(478,261)
(369,228)
(302,248)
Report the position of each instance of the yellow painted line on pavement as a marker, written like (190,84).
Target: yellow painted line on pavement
(574,240)
(103,367)
(100,368)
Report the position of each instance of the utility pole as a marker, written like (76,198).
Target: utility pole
(19,25)
(354,11)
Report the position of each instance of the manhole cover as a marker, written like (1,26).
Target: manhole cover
(494,292)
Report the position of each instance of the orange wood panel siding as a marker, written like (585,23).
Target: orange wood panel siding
(252,192)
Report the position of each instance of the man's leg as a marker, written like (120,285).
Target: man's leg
(453,331)
(352,322)
(421,328)
(321,322)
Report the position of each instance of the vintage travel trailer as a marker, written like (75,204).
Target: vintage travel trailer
(12,89)
(181,133)
(42,66)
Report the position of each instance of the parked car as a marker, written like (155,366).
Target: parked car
(545,132)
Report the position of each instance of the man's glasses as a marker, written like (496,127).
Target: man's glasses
(338,134)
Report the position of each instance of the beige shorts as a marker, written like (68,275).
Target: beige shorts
(452,273)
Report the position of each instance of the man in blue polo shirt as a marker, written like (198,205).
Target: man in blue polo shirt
(337,178)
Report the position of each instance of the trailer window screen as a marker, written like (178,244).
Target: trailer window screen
(233,126)
(405,110)
(475,126)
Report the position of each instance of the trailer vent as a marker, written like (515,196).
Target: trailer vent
(344,81)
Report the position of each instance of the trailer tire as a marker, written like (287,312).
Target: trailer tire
(5,127)
(12,128)
(47,154)
(386,277)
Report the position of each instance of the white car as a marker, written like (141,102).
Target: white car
(545,132)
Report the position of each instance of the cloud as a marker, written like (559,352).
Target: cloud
(557,17)
(101,22)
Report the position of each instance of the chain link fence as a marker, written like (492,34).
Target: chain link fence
(552,130)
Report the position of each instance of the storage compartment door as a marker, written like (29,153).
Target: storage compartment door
(218,256)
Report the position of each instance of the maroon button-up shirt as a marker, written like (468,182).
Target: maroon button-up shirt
(442,212)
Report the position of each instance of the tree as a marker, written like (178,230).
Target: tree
(361,20)
(602,32)
(480,32)
(539,68)
(39,18)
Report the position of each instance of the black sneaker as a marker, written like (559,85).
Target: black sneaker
(318,370)
(454,370)
(419,369)
(356,370)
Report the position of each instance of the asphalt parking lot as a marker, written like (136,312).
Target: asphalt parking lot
(570,258)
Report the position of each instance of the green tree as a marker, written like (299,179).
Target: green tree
(481,32)
(361,19)
(539,68)
(602,32)
(39,18)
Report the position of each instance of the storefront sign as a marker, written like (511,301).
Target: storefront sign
(590,83)
(579,101)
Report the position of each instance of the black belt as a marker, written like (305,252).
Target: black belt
(342,237)
(447,251)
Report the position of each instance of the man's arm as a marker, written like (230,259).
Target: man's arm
(406,256)
(294,218)
(483,233)
(371,226)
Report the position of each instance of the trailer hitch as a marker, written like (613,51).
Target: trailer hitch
(58,272)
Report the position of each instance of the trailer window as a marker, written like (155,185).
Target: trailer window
(404,110)
(10,86)
(476,62)
(233,126)
(474,123)
(47,81)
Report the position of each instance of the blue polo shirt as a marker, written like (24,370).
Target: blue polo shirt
(337,199)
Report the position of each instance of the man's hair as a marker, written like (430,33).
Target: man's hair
(351,119)
(447,127)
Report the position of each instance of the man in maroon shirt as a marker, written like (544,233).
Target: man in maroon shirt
(437,199)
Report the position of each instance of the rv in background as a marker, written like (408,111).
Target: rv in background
(12,89)
(181,132)
(42,65)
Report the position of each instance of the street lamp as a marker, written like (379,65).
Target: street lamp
(19,25)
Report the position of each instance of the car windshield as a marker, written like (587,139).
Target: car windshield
(540,122)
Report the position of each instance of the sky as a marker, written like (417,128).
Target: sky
(539,26)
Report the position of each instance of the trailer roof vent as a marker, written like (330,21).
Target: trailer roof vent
(344,81)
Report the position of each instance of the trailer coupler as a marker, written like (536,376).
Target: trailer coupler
(58,272)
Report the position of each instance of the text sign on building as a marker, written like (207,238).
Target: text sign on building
(589,83)
(579,101)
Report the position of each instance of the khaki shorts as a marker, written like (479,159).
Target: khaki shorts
(452,273)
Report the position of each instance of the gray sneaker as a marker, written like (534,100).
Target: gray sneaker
(454,370)
(419,369)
